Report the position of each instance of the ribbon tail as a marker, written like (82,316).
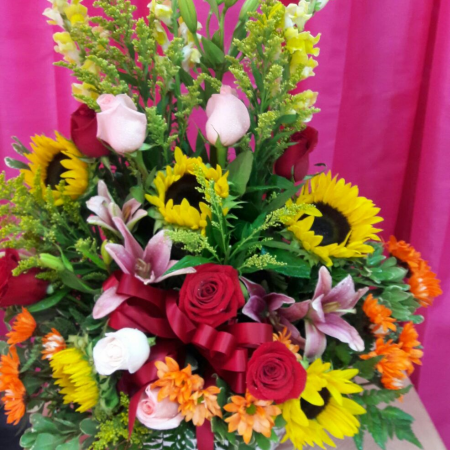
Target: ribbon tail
(205,436)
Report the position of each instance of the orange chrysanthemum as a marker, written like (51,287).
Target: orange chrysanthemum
(250,414)
(379,315)
(176,384)
(285,338)
(22,329)
(424,284)
(201,406)
(393,366)
(13,388)
(408,342)
(404,252)
(53,343)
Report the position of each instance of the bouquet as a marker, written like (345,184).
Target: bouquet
(175,275)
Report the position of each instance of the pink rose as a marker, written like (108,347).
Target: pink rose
(156,415)
(120,124)
(296,157)
(228,117)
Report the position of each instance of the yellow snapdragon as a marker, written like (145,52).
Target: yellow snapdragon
(162,10)
(301,46)
(67,47)
(85,90)
(297,14)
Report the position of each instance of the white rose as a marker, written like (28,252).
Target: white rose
(126,349)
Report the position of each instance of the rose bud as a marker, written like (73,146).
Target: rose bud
(126,349)
(274,373)
(296,157)
(157,415)
(212,295)
(22,290)
(83,130)
(120,124)
(228,117)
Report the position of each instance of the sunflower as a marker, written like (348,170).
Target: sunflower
(75,376)
(346,221)
(178,200)
(322,408)
(57,160)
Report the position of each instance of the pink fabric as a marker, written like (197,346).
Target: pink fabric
(383,78)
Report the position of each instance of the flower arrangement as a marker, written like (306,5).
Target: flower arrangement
(170,284)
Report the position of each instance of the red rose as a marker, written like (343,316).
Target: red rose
(83,129)
(297,156)
(23,290)
(274,373)
(212,295)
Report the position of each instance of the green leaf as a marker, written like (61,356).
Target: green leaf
(15,164)
(367,368)
(4,348)
(189,14)
(28,439)
(73,444)
(262,441)
(32,356)
(295,266)
(41,424)
(280,422)
(279,201)
(359,440)
(343,354)
(222,398)
(213,52)
(71,280)
(374,397)
(19,148)
(49,302)
(239,172)
(89,427)
(187,261)
(138,193)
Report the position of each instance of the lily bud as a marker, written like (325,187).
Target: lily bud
(189,14)
(52,262)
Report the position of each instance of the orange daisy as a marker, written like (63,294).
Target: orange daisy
(424,284)
(201,406)
(379,315)
(404,252)
(53,343)
(285,338)
(13,388)
(176,384)
(251,414)
(394,365)
(22,329)
(409,343)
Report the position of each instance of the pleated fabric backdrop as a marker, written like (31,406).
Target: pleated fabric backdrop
(384,84)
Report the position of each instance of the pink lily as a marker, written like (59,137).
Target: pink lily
(263,307)
(148,265)
(106,209)
(323,314)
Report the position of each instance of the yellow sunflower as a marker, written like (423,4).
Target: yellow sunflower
(346,223)
(57,160)
(75,376)
(323,408)
(178,200)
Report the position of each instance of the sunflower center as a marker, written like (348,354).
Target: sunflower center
(333,225)
(54,171)
(185,188)
(312,411)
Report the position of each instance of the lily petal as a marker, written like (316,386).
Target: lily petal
(254,308)
(316,341)
(131,245)
(175,272)
(108,302)
(296,311)
(296,337)
(123,258)
(351,303)
(254,289)
(276,301)
(324,282)
(157,253)
(341,293)
(335,326)
(317,314)
(102,190)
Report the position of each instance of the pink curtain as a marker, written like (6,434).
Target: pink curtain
(383,78)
